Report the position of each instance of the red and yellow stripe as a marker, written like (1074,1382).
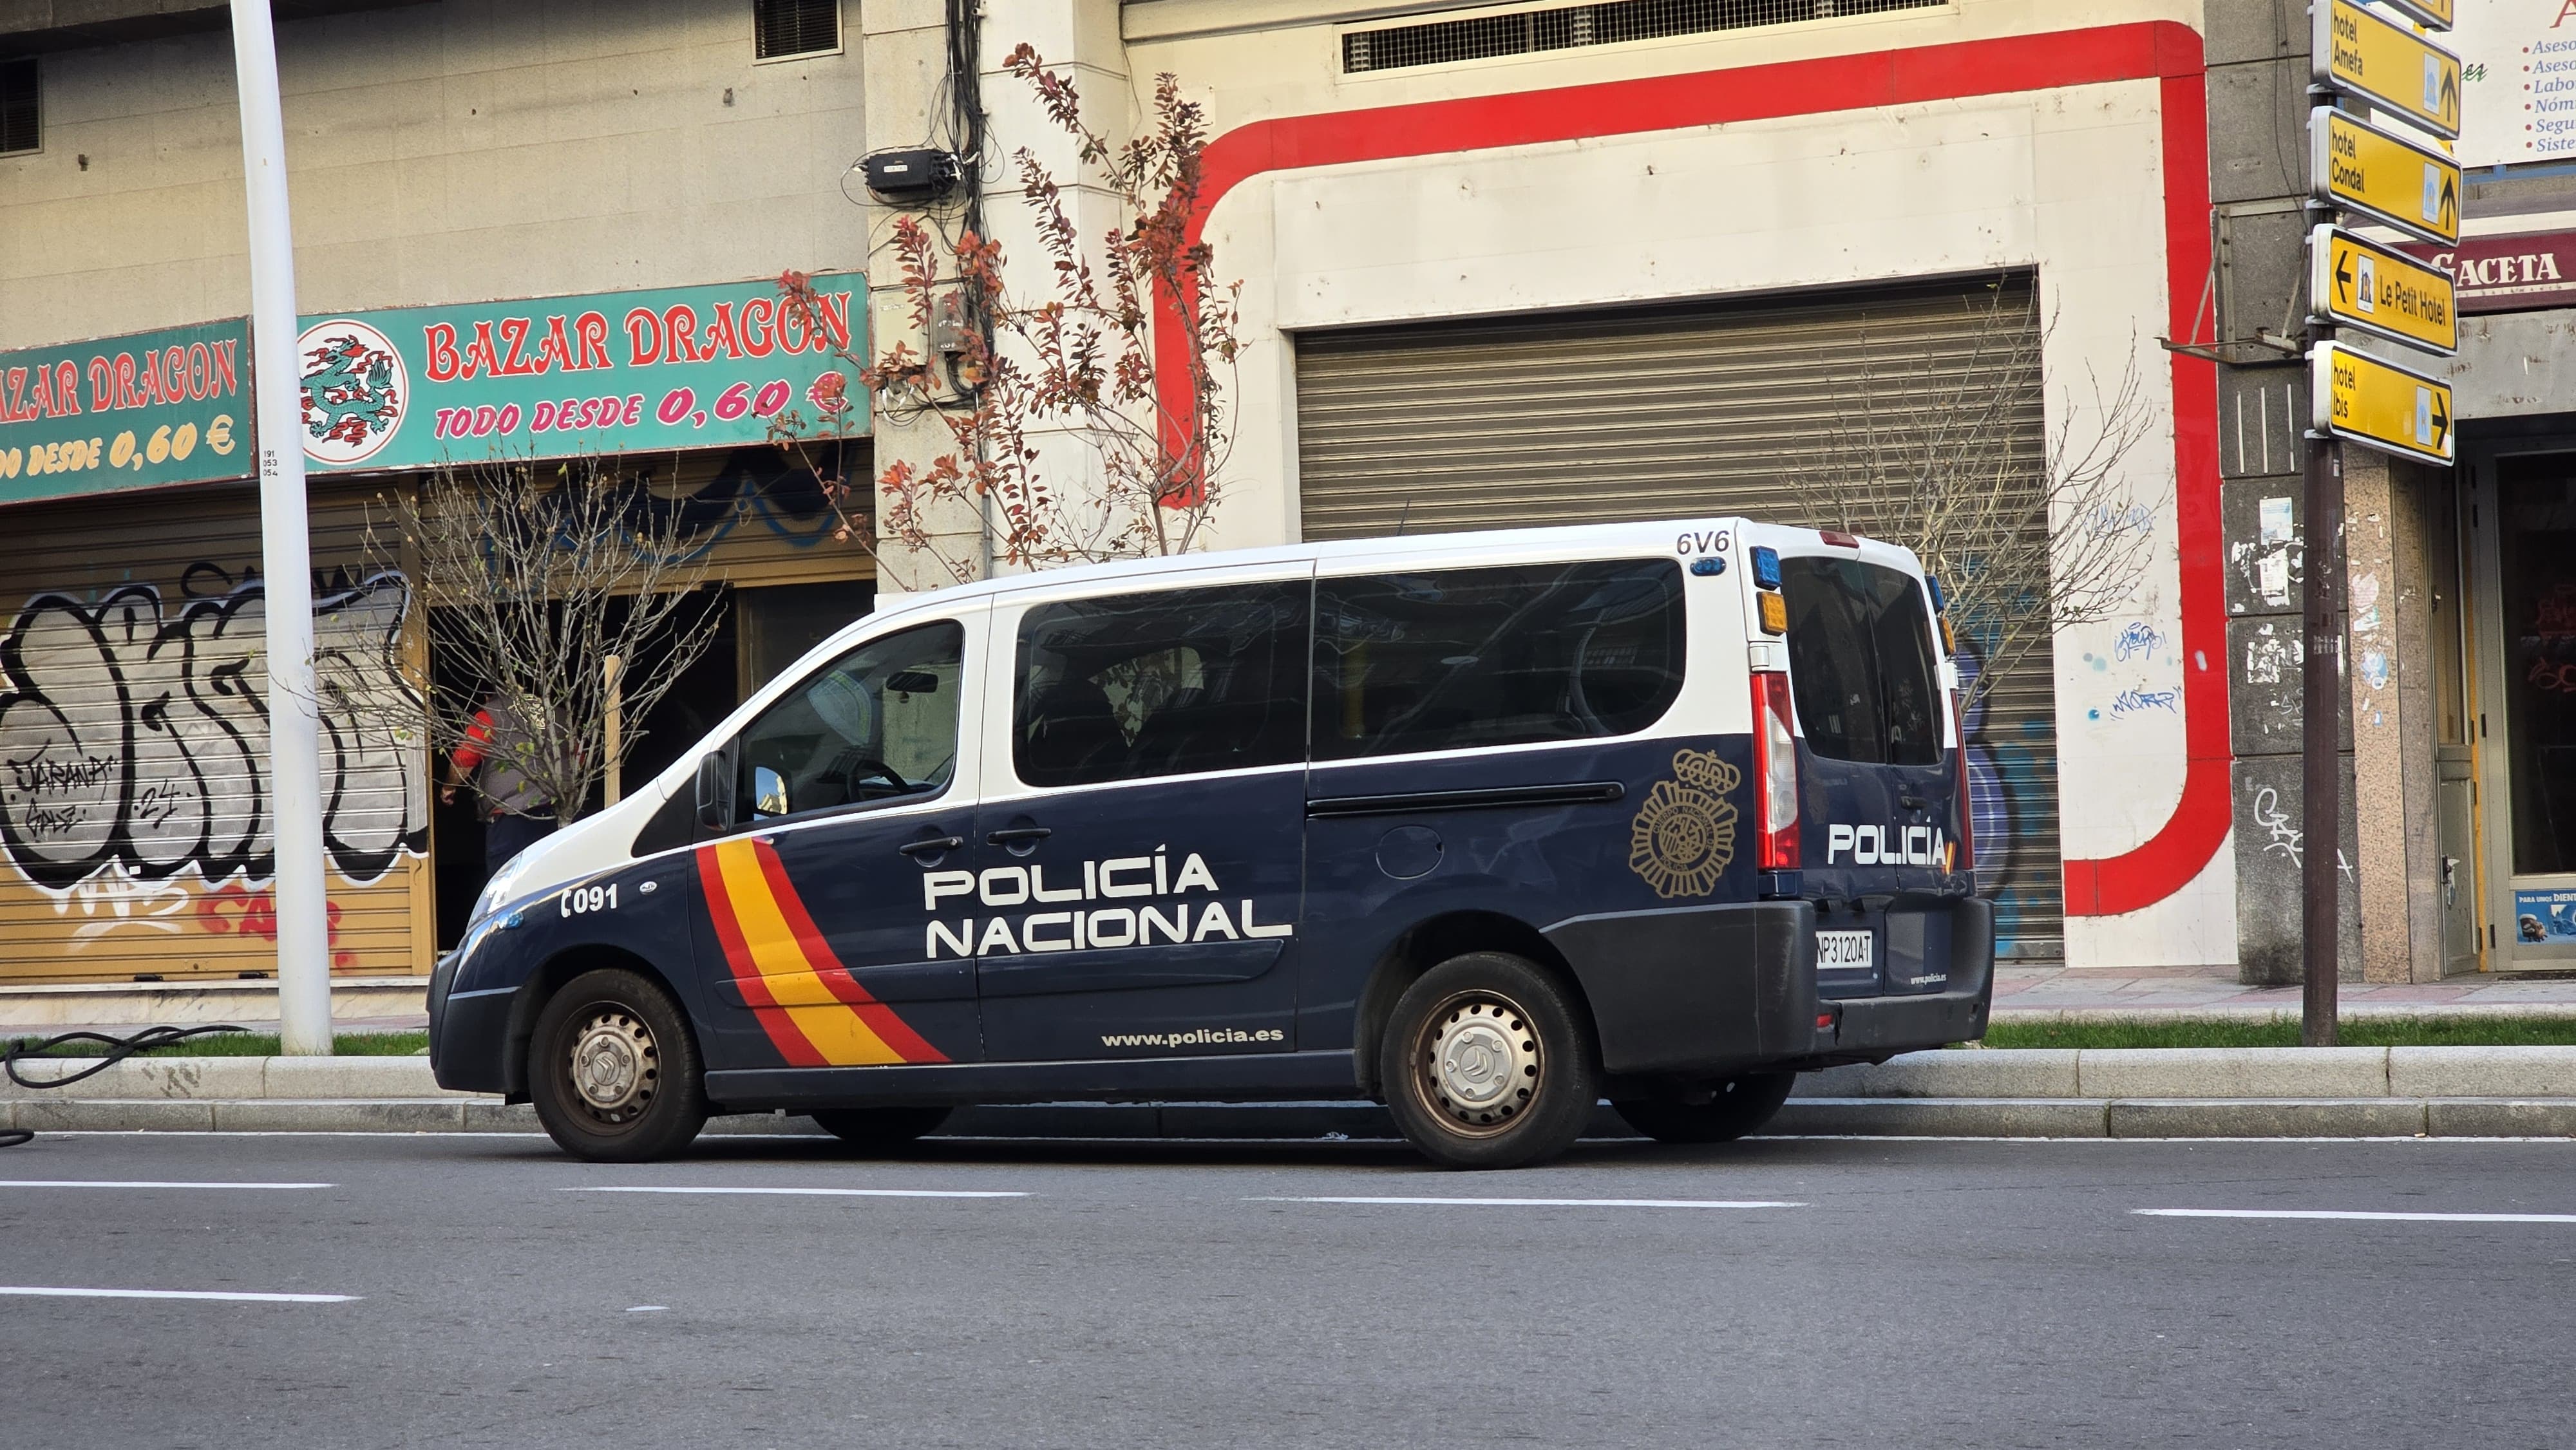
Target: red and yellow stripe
(815,1012)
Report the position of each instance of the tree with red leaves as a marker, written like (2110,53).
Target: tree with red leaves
(1077,361)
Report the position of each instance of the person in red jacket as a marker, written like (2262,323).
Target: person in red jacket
(493,762)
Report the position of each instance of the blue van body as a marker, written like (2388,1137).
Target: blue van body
(1152,930)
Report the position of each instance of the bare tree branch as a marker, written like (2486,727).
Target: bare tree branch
(2028,536)
(534,578)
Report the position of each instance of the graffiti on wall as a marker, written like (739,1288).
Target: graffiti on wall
(134,738)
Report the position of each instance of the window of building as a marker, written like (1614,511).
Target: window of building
(1566,27)
(18,110)
(1178,682)
(879,723)
(1860,662)
(1461,658)
(784,28)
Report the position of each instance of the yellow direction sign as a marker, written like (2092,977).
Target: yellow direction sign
(2354,283)
(2435,13)
(2357,396)
(2361,168)
(2364,53)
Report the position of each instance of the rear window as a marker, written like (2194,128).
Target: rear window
(1458,658)
(1860,662)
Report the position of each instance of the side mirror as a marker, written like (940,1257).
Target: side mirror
(768,792)
(715,792)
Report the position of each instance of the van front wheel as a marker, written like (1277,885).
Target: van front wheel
(613,1071)
(1489,1063)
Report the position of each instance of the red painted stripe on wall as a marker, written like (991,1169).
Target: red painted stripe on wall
(2166,51)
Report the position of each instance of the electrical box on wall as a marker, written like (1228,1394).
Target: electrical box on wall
(922,175)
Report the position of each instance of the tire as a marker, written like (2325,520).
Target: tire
(1520,1074)
(620,1034)
(1742,1105)
(880,1129)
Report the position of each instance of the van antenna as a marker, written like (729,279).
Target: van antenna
(1402,514)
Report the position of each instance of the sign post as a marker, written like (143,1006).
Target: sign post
(2414,186)
(286,551)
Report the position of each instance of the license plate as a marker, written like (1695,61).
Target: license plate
(1842,951)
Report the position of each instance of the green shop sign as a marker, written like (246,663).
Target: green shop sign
(139,411)
(602,374)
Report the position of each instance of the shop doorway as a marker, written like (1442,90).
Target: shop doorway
(2522,517)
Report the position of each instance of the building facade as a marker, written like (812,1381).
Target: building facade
(505,214)
(1502,265)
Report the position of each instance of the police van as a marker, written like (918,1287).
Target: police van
(1488,827)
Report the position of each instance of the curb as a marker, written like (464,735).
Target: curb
(2241,1012)
(2377,1092)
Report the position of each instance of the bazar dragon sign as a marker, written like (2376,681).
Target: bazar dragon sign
(594,374)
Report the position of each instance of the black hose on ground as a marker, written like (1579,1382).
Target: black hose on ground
(118,1050)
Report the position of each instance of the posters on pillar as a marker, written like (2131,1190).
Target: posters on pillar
(593,375)
(2545,917)
(143,410)
(2518,61)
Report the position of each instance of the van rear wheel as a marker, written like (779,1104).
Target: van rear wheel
(880,1129)
(1740,1106)
(1488,1062)
(613,1071)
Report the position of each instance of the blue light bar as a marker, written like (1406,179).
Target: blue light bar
(1708,567)
(1766,567)
(1940,601)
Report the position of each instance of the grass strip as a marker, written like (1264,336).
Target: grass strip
(2371,1031)
(249,1044)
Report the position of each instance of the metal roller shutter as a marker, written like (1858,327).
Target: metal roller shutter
(134,825)
(1685,411)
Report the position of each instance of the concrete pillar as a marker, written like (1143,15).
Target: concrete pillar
(2394,732)
(2257,53)
(905,63)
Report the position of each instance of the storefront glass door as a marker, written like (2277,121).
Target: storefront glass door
(2526,513)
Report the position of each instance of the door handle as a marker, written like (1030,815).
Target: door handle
(1912,802)
(931,846)
(1014,835)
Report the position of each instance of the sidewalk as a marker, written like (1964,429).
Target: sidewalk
(2050,990)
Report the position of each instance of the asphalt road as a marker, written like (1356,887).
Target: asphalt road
(1912,1294)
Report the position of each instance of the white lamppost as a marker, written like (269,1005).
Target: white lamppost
(294,720)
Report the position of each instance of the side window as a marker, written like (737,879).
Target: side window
(877,724)
(1179,682)
(1458,658)
(1860,662)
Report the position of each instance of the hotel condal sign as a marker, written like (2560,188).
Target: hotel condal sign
(598,374)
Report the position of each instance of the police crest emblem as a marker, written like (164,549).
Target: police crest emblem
(1684,835)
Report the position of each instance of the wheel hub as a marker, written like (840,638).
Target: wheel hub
(615,1066)
(1482,1062)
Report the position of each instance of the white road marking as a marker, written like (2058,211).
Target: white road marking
(217,1296)
(146,1183)
(2357,1215)
(1554,1202)
(647,1308)
(811,1192)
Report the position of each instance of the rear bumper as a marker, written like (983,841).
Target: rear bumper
(1716,990)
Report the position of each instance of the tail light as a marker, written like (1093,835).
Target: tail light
(1967,860)
(1775,773)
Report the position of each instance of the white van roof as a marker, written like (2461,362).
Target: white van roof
(1671,537)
